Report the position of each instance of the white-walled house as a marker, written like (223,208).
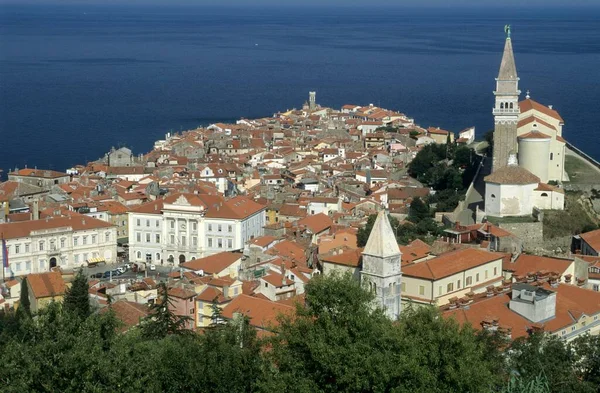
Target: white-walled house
(183,227)
(36,246)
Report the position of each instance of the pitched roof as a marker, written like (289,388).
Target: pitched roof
(417,249)
(237,208)
(261,312)
(533,119)
(571,303)
(534,135)
(347,258)
(48,174)
(215,263)
(526,263)
(316,223)
(508,69)
(129,313)
(450,263)
(382,240)
(75,221)
(47,284)
(529,104)
(512,174)
(592,238)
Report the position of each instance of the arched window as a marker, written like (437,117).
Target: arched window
(502,105)
(551,156)
(158,256)
(511,105)
(544,194)
(139,255)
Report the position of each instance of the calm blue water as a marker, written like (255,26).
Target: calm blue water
(76,80)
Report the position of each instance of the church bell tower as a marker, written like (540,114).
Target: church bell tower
(506,109)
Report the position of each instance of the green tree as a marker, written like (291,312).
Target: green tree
(418,210)
(77,298)
(162,321)
(463,157)
(24,303)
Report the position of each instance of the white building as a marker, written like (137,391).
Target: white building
(36,246)
(182,227)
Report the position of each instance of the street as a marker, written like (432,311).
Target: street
(159,274)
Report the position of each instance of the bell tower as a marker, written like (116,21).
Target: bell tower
(506,109)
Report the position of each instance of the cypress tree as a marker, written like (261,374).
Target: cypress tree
(24,304)
(77,299)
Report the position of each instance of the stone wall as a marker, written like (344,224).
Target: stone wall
(532,236)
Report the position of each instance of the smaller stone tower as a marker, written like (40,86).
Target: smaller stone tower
(381,272)
(312,100)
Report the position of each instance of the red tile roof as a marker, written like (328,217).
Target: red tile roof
(316,223)
(530,104)
(450,263)
(592,238)
(533,263)
(348,258)
(76,221)
(213,264)
(46,284)
(262,313)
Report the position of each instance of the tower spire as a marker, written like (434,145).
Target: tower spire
(508,69)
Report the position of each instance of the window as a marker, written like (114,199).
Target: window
(458,284)
(495,271)
(27,248)
(17,247)
(572,328)
(85,256)
(139,255)
(158,256)
(76,258)
(28,266)
(469,281)
(486,274)
(18,266)
(229,243)
(93,239)
(194,241)
(493,196)
(107,236)
(138,237)
(220,243)
(440,290)
(266,285)
(450,287)
(220,228)
(157,238)
(210,227)
(84,240)
(210,242)
(477,277)
(138,222)
(194,226)
(41,246)
(172,239)
(62,243)
(229,228)
(147,223)
(191,310)
(157,224)
(42,265)
(172,224)
(551,156)
(183,241)
(147,238)
(421,290)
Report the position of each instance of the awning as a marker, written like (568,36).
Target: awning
(96,260)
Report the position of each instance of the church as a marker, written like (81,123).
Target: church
(529,150)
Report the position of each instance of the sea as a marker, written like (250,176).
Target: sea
(77,80)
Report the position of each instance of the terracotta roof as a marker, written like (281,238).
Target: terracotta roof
(292,210)
(417,249)
(212,294)
(277,280)
(262,313)
(38,173)
(529,104)
(129,313)
(316,223)
(213,264)
(533,263)
(571,303)
(592,238)
(237,208)
(548,187)
(495,230)
(347,258)
(181,293)
(263,241)
(532,119)
(76,221)
(154,207)
(450,263)
(512,174)
(46,284)
(535,135)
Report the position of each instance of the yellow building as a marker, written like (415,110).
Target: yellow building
(453,274)
(45,288)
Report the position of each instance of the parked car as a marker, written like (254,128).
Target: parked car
(153,267)
(106,274)
(97,275)
(127,266)
(121,269)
